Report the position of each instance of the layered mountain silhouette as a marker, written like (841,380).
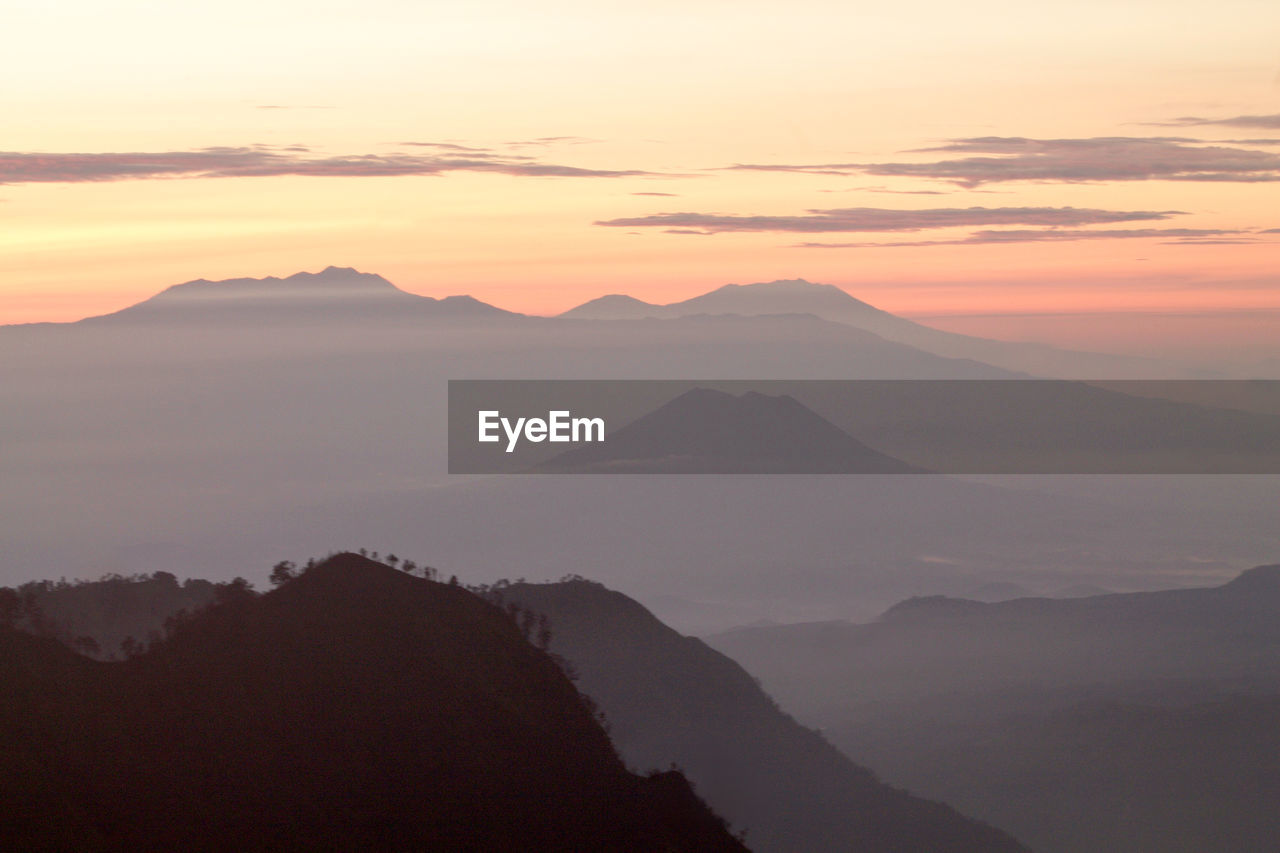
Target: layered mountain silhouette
(1127,721)
(334,293)
(672,699)
(1055,427)
(705,431)
(352,708)
(797,296)
(98,618)
(936,644)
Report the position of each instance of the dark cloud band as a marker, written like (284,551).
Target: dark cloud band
(1113,158)
(871,219)
(1199,236)
(256,162)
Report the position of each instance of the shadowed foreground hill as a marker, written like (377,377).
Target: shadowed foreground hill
(114,610)
(352,708)
(670,698)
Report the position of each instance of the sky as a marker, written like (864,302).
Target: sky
(975,161)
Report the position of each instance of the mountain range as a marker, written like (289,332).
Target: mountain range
(354,707)
(672,699)
(1031,713)
(206,438)
(797,296)
(705,431)
(299,298)
(668,700)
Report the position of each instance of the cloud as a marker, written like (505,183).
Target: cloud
(544,141)
(982,238)
(855,219)
(449,146)
(663,195)
(258,162)
(1115,158)
(1267,122)
(839,169)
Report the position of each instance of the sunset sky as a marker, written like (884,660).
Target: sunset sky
(931,157)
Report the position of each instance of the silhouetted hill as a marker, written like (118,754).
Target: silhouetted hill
(797,296)
(1051,426)
(936,643)
(333,293)
(670,698)
(704,431)
(1134,721)
(111,610)
(613,306)
(351,708)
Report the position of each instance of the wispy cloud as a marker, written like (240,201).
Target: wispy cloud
(1266,122)
(1116,158)
(449,146)
(838,169)
(870,219)
(545,141)
(981,238)
(1094,159)
(259,162)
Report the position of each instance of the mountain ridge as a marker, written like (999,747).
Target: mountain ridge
(829,302)
(671,698)
(352,707)
(709,431)
(334,288)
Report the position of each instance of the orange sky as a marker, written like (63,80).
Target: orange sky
(272,138)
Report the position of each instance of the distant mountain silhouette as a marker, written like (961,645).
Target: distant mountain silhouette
(1225,632)
(115,609)
(670,698)
(1052,426)
(705,431)
(333,292)
(797,296)
(353,708)
(1154,714)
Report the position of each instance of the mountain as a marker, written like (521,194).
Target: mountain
(934,644)
(704,431)
(1054,426)
(198,446)
(797,296)
(353,707)
(332,293)
(672,699)
(1154,713)
(114,610)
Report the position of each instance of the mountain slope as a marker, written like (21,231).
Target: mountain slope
(670,698)
(937,644)
(352,708)
(797,296)
(333,293)
(1135,721)
(705,431)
